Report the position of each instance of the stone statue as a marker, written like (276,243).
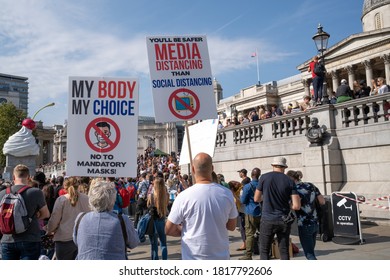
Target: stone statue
(21,148)
(315,133)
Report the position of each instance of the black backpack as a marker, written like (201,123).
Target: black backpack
(319,69)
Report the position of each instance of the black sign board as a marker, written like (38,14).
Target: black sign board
(346,220)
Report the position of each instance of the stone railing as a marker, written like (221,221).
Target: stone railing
(352,113)
(54,169)
(363,111)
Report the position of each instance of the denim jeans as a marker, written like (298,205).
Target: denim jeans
(21,250)
(268,229)
(159,225)
(307,237)
(318,83)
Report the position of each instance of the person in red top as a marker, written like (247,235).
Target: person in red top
(318,81)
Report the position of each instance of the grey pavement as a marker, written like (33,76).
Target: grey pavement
(376,246)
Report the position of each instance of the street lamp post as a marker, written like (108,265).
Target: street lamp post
(321,40)
(232,111)
(48,105)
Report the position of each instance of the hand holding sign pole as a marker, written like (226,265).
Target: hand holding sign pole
(189,151)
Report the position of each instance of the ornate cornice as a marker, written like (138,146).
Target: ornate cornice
(367,64)
(386,58)
(350,69)
(370,5)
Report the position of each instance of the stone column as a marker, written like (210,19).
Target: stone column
(386,59)
(306,87)
(335,80)
(351,74)
(55,152)
(369,74)
(60,156)
(50,151)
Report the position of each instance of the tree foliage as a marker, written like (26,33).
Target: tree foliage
(10,122)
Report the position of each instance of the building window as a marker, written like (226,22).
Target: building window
(378,22)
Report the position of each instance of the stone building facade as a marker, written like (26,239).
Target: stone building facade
(355,154)
(14,89)
(362,56)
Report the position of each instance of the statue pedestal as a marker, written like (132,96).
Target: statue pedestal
(12,161)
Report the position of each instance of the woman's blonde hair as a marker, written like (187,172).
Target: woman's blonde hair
(71,186)
(160,197)
(236,188)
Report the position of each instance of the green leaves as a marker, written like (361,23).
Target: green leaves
(11,119)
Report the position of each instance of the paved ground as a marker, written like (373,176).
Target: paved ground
(376,247)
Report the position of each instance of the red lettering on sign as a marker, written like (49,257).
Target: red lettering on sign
(177,51)
(116,89)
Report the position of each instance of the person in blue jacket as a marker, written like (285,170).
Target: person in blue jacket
(252,213)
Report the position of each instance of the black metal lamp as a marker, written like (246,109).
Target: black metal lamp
(321,41)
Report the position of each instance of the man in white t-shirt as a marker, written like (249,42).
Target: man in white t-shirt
(202,215)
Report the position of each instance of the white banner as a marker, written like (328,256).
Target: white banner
(102,127)
(202,139)
(182,83)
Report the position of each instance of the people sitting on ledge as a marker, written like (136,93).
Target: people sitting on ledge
(343,92)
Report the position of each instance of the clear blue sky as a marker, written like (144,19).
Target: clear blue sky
(48,41)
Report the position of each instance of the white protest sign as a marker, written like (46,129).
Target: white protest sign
(182,83)
(202,139)
(102,127)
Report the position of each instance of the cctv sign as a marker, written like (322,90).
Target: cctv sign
(181,79)
(346,221)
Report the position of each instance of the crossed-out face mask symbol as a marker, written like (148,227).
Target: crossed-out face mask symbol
(104,134)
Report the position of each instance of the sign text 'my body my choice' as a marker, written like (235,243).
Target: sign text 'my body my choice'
(115,98)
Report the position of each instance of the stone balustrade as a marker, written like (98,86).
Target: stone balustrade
(354,156)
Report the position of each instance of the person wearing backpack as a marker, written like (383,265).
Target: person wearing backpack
(59,186)
(252,215)
(131,188)
(25,245)
(142,192)
(122,196)
(318,79)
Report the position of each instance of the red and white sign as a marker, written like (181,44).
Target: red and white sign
(184,104)
(102,127)
(182,83)
(95,130)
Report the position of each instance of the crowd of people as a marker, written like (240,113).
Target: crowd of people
(344,92)
(264,112)
(86,218)
(359,89)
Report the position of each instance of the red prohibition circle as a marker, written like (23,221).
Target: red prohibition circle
(174,96)
(111,144)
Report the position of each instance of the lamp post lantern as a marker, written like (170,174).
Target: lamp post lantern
(321,41)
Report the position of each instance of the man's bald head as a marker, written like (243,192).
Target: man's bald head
(203,165)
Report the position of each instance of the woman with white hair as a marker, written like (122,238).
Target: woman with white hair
(102,234)
(343,92)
